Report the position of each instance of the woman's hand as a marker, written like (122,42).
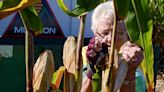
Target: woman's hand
(94,47)
(133,54)
(93,51)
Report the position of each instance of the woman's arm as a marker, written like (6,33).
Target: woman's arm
(92,55)
(133,55)
(86,85)
(129,83)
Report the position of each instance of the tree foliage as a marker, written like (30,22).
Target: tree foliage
(157,14)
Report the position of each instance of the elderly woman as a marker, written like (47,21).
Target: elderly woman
(102,26)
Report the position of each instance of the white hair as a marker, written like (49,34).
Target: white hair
(102,11)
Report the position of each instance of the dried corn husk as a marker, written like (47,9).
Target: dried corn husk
(43,71)
(69,63)
(69,54)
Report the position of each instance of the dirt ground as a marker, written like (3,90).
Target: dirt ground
(160,82)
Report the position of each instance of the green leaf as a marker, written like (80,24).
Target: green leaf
(1,3)
(57,77)
(79,11)
(65,8)
(81,8)
(139,26)
(88,4)
(96,82)
(81,3)
(92,4)
(7,4)
(121,7)
(32,20)
(10,6)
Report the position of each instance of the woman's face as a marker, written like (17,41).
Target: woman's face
(121,35)
(104,31)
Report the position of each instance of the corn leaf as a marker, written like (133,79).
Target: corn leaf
(78,11)
(32,20)
(121,9)
(1,3)
(65,8)
(96,82)
(88,4)
(81,7)
(57,77)
(10,6)
(139,26)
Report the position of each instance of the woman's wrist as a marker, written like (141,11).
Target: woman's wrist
(130,76)
(90,71)
(89,74)
(128,82)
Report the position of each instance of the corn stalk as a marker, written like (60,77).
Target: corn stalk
(139,29)
(31,22)
(108,68)
(29,54)
(109,74)
(79,62)
(81,9)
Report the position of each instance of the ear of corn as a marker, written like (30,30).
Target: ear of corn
(69,63)
(69,54)
(42,72)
